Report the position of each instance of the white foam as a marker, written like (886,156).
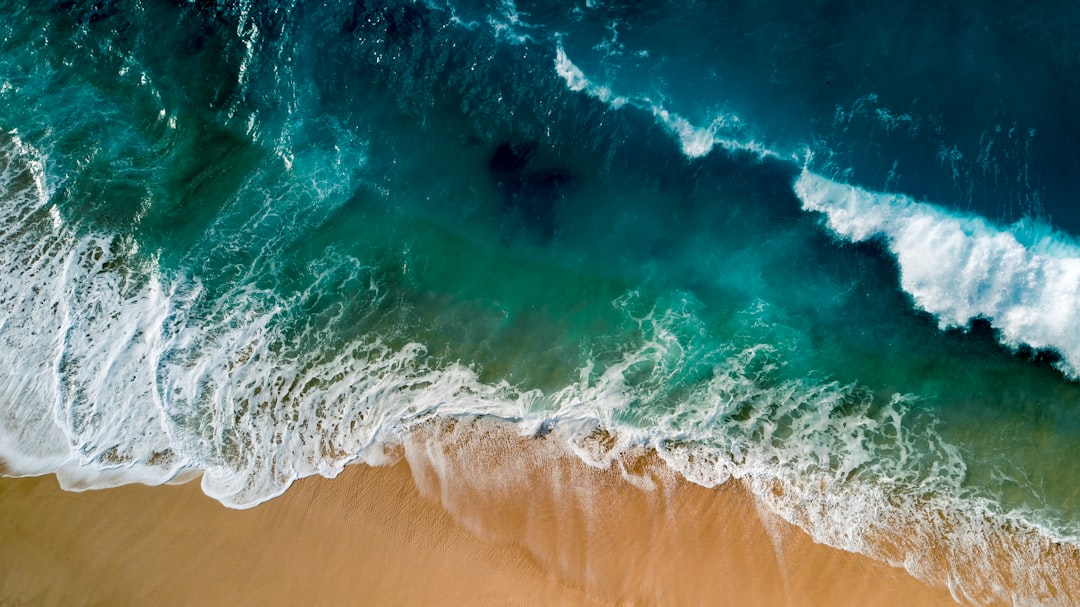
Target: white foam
(726,130)
(114,374)
(576,81)
(77,343)
(30,443)
(869,107)
(144,378)
(1025,280)
(508,24)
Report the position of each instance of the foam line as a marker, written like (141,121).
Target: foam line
(138,387)
(1024,279)
(727,131)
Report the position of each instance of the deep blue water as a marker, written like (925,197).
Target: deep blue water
(825,248)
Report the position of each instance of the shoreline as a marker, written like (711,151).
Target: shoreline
(470,513)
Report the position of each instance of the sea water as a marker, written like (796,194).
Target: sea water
(827,249)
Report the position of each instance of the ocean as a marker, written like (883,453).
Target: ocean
(827,249)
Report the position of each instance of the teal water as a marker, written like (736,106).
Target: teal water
(261,241)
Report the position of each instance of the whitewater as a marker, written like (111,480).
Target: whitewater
(263,351)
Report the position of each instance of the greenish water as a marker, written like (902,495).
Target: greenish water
(262,241)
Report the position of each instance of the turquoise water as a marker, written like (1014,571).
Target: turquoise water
(261,241)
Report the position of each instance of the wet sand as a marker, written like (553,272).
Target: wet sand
(469,515)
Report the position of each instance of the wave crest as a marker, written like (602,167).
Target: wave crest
(960,268)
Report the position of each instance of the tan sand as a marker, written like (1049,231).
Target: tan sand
(472,515)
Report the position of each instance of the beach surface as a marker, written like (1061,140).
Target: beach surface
(538,527)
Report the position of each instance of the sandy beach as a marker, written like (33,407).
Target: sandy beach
(470,514)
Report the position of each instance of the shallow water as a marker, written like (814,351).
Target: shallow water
(827,251)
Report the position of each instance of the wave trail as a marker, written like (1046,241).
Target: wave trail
(727,131)
(1025,280)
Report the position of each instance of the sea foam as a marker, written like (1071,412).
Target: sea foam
(112,375)
(726,130)
(124,376)
(80,332)
(1025,281)
(136,384)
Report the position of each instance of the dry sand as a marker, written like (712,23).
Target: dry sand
(470,515)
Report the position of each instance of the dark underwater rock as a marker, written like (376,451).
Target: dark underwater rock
(510,159)
(529,195)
